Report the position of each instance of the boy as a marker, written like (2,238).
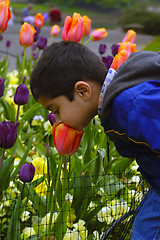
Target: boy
(70,80)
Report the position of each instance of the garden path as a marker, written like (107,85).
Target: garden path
(12,34)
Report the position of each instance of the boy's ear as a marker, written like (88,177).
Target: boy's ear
(83,89)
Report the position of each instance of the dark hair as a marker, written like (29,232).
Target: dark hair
(62,65)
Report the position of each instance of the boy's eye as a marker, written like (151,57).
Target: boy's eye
(56,112)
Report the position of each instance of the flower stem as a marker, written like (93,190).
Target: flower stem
(2,157)
(48,172)
(22,190)
(89,39)
(23,63)
(17,113)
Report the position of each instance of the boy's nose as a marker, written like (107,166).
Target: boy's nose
(58,120)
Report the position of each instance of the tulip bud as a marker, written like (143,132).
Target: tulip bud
(114,49)
(130,36)
(1,86)
(54,30)
(21,95)
(73,28)
(5,16)
(98,34)
(51,118)
(8,43)
(66,139)
(87,25)
(39,20)
(41,42)
(107,61)
(26,36)
(36,35)
(102,48)
(47,150)
(26,173)
(119,59)
(8,134)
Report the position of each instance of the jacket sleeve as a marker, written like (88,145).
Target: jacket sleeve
(138,114)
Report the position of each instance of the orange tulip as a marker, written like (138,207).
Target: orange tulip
(66,139)
(39,20)
(127,46)
(5,15)
(119,59)
(98,34)
(87,25)
(54,30)
(6,2)
(26,36)
(130,36)
(73,28)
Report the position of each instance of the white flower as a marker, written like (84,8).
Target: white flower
(69,197)
(25,215)
(83,232)
(27,232)
(105,215)
(71,235)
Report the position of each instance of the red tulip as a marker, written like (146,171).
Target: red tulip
(54,30)
(130,36)
(26,36)
(98,34)
(66,139)
(87,25)
(73,28)
(5,15)
(39,20)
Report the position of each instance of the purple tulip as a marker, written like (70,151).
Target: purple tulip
(26,173)
(33,47)
(8,43)
(8,134)
(102,48)
(51,118)
(114,49)
(35,55)
(21,95)
(36,35)
(107,61)
(41,42)
(1,86)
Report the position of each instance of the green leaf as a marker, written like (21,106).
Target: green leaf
(13,230)
(60,225)
(9,111)
(6,167)
(121,165)
(5,173)
(28,115)
(23,160)
(81,188)
(37,200)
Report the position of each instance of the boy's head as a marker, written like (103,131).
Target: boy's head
(66,68)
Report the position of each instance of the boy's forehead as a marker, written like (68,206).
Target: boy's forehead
(47,102)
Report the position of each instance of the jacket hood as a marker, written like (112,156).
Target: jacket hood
(140,67)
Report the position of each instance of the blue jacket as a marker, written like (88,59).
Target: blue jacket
(133,124)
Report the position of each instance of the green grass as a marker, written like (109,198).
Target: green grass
(154,45)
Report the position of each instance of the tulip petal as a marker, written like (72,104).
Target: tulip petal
(66,139)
